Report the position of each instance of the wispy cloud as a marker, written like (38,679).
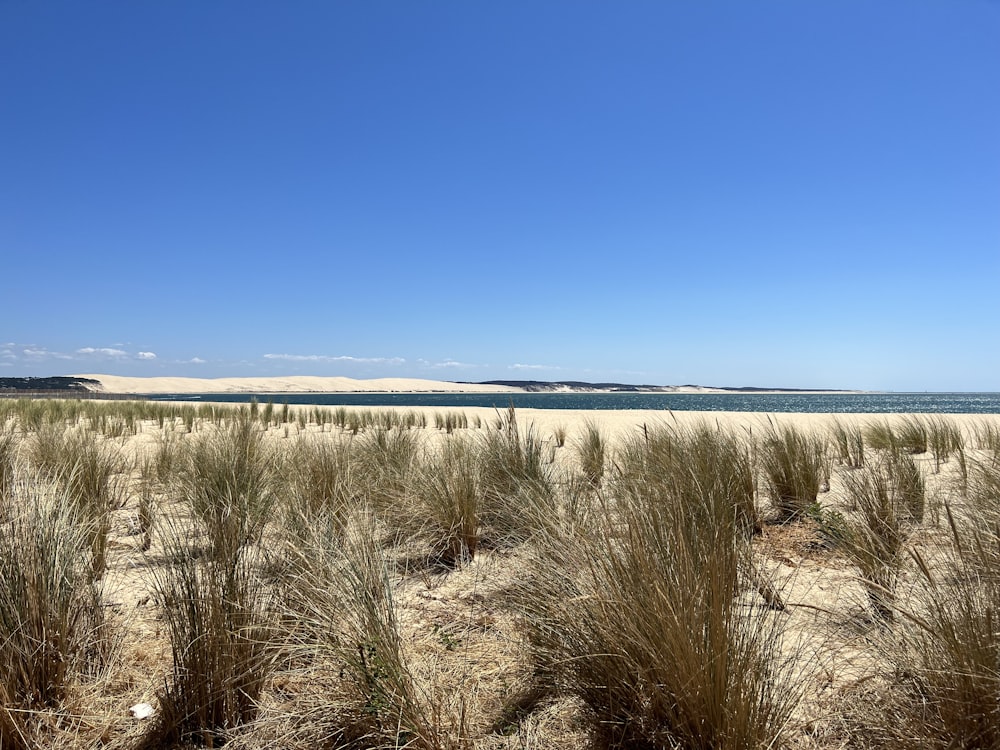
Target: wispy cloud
(340,358)
(196,361)
(533,367)
(102,351)
(35,353)
(615,372)
(114,353)
(453,363)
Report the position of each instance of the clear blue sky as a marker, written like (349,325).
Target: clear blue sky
(774,193)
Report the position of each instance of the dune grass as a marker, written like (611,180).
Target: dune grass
(450,421)
(794,465)
(8,459)
(944,438)
(639,613)
(512,459)
(909,435)
(671,454)
(322,485)
(642,610)
(515,481)
(849,442)
(889,502)
(227,478)
(88,468)
(446,503)
(559,435)
(592,448)
(51,614)
(222,640)
(947,653)
(343,593)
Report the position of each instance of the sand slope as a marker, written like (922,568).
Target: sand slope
(296,384)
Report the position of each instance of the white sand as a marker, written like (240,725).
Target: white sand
(617,424)
(296,384)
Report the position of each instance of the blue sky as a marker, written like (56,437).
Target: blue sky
(775,193)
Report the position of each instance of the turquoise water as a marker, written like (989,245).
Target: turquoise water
(867,403)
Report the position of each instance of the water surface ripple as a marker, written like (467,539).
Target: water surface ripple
(826,403)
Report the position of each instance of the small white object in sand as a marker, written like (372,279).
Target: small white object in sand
(141,710)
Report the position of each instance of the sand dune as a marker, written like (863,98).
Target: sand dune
(296,384)
(315,384)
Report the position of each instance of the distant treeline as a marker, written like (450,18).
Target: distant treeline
(49,384)
(543,385)
(533,386)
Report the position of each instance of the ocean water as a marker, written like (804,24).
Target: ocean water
(826,403)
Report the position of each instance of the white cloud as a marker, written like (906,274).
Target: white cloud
(36,353)
(102,351)
(196,361)
(534,367)
(328,358)
(453,363)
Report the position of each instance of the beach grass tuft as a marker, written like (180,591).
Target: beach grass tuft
(794,465)
(592,448)
(228,480)
(630,610)
(51,614)
(222,643)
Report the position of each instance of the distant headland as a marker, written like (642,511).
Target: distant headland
(578,386)
(55,383)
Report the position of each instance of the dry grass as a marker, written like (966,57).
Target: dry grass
(446,504)
(51,616)
(651,609)
(592,448)
(640,612)
(794,465)
(386,459)
(515,482)
(8,457)
(944,438)
(87,467)
(889,502)
(228,479)
(323,485)
(344,594)
(849,442)
(222,640)
(948,649)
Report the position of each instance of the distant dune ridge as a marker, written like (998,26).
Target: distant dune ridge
(293,384)
(314,384)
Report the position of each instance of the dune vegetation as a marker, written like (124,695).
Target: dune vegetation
(267,576)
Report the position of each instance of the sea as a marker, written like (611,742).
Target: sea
(825,403)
